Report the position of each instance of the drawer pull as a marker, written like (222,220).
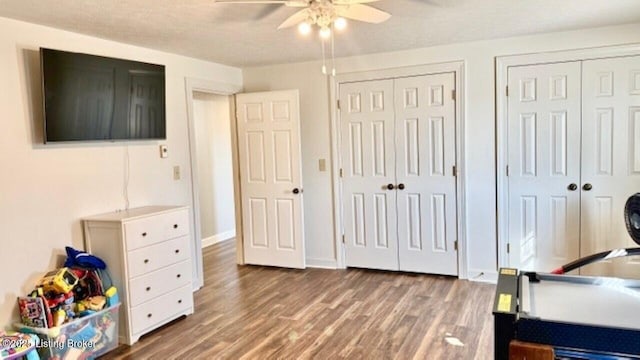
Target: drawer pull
(177,251)
(178,276)
(144,234)
(146,261)
(175,226)
(180,301)
(149,315)
(148,288)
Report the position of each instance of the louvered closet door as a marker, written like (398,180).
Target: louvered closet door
(425,156)
(610,159)
(368,165)
(544,162)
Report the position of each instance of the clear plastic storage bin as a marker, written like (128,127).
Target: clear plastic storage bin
(83,338)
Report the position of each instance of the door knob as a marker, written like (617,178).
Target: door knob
(587,187)
(401,186)
(296,191)
(390,187)
(572,187)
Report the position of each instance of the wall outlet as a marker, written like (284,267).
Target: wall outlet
(176,172)
(164,151)
(322,165)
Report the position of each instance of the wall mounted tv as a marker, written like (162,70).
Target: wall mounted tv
(95,98)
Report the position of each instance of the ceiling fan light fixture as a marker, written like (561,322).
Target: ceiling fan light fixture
(304,28)
(340,23)
(325,33)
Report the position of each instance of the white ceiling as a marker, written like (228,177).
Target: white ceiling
(246,35)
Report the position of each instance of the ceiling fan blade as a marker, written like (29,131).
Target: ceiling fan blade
(267,11)
(364,13)
(351,2)
(292,3)
(295,19)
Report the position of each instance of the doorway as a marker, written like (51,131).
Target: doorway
(219,205)
(212,125)
(197,92)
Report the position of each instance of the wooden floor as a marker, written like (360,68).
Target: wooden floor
(252,312)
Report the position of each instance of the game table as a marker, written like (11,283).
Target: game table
(579,317)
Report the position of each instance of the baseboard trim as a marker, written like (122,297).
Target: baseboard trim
(218,238)
(486,276)
(322,263)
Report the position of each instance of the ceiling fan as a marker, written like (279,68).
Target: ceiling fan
(326,14)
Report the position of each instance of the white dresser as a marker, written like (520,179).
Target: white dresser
(148,254)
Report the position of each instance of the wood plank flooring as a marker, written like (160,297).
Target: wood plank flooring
(251,312)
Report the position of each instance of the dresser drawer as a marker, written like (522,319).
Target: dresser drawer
(156,311)
(152,285)
(154,257)
(154,229)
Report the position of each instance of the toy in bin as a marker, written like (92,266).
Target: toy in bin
(59,281)
(83,338)
(74,309)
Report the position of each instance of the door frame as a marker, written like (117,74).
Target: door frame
(224,89)
(502,65)
(456,67)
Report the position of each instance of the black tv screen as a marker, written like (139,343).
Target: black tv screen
(91,98)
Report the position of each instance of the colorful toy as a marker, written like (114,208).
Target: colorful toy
(83,259)
(94,303)
(34,312)
(60,300)
(89,283)
(59,281)
(112,296)
(15,345)
(59,317)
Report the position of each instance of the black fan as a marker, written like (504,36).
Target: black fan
(632,219)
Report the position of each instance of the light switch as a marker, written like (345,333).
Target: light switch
(176,172)
(322,165)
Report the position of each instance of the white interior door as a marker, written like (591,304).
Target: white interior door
(368,167)
(270,178)
(544,165)
(610,159)
(426,185)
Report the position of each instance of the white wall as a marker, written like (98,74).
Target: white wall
(46,190)
(212,125)
(480,175)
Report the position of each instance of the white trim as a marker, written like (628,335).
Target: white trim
(211,87)
(457,67)
(335,175)
(502,67)
(322,263)
(218,238)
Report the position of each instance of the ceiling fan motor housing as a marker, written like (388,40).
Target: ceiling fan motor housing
(632,217)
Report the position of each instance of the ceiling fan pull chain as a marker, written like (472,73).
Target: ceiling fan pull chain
(333,54)
(324,62)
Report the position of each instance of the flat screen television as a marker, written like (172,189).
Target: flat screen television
(95,98)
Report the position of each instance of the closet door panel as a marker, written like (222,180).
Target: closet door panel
(426,186)
(368,165)
(610,159)
(544,165)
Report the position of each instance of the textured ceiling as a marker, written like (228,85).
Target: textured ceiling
(246,35)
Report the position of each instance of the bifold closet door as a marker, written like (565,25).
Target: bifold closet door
(544,165)
(426,185)
(368,182)
(610,159)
